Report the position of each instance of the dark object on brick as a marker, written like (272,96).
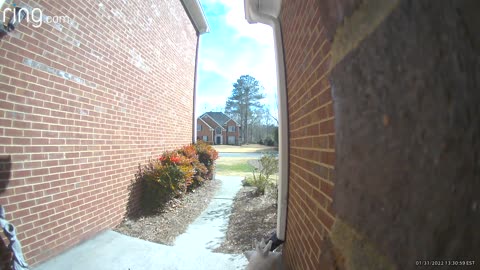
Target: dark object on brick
(18,261)
(275,241)
(15,20)
(5,172)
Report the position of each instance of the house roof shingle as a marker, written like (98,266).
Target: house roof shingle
(218,117)
(200,118)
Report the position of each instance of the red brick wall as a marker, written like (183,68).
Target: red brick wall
(214,125)
(204,132)
(82,104)
(311,133)
(236,133)
(382,154)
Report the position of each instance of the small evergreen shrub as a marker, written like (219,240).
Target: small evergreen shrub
(183,164)
(261,180)
(269,164)
(174,173)
(207,156)
(160,183)
(199,169)
(269,141)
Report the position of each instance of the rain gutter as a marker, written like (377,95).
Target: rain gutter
(267,12)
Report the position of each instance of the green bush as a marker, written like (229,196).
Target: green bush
(261,180)
(174,173)
(207,156)
(160,183)
(268,164)
(269,141)
(199,169)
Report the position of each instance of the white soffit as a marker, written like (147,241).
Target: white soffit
(195,11)
(267,7)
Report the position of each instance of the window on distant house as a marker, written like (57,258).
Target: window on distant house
(199,128)
(218,130)
(205,138)
(231,128)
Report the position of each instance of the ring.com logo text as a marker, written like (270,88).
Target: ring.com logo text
(31,15)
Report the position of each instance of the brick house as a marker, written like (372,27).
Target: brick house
(218,128)
(83,102)
(379,132)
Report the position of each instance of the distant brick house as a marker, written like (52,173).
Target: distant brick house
(82,103)
(218,128)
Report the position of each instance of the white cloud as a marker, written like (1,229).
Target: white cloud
(233,48)
(211,65)
(235,17)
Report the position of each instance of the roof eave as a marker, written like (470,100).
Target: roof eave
(197,16)
(209,116)
(205,123)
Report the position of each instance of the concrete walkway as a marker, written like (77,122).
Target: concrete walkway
(192,250)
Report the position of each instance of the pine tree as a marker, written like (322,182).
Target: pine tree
(245,98)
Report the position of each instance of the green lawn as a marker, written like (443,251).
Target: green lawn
(239,167)
(233,166)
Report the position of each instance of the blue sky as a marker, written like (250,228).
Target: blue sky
(231,49)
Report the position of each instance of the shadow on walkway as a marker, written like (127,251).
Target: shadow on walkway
(192,250)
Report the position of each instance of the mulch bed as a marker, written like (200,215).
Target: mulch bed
(252,217)
(164,227)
